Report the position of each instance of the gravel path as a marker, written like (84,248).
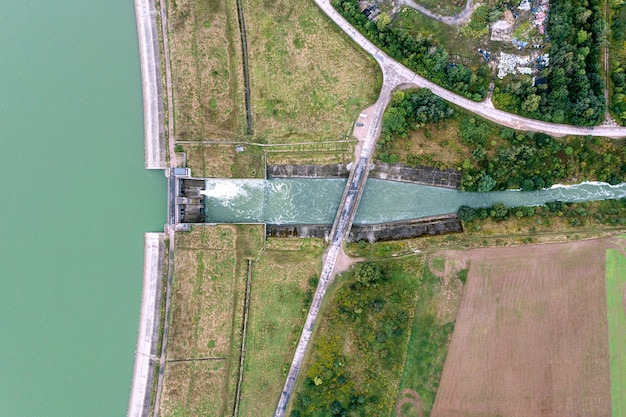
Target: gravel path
(455,20)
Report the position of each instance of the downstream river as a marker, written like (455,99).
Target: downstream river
(289,201)
(76,202)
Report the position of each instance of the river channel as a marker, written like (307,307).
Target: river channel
(315,201)
(76,202)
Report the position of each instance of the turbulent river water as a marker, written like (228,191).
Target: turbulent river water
(312,201)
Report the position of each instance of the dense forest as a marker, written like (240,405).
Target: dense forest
(418,53)
(618,60)
(574,92)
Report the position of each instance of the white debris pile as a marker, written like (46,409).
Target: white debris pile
(524,5)
(510,64)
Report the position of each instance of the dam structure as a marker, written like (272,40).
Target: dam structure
(146,358)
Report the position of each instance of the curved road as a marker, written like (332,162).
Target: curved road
(402,77)
(395,76)
(455,20)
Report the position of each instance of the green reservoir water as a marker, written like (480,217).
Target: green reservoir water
(76,202)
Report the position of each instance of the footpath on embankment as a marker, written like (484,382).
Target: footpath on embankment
(145,354)
(150,65)
(154,243)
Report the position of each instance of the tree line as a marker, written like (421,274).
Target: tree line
(618,60)
(418,53)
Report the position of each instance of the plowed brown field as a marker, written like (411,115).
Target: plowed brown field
(531,335)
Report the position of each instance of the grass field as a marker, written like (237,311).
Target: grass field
(434,144)
(307,81)
(280,281)
(461,49)
(205,55)
(207,310)
(445,8)
(438,299)
(616,305)
(530,338)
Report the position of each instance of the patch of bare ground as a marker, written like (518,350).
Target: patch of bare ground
(531,334)
(410,398)
(206,69)
(307,81)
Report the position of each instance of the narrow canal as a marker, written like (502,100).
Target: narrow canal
(289,201)
(76,202)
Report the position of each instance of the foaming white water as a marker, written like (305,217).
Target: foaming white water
(229,189)
(594,183)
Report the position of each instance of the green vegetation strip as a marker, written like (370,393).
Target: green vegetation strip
(356,362)
(616,283)
(428,344)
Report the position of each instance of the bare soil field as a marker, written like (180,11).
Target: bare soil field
(531,334)
(206,69)
(307,81)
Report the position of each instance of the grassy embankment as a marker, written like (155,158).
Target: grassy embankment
(377,337)
(307,85)
(615,293)
(207,314)
(207,308)
(280,295)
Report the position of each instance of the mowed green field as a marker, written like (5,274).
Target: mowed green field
(615,287)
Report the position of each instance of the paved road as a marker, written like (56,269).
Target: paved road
(401,77)
(455,20)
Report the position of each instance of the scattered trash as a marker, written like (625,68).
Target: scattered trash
(485,54)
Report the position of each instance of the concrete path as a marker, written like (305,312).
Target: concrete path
(150,84)
(455,20)
(145,354)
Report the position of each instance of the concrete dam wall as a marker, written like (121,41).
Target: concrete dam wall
(374,232)
(448,178)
